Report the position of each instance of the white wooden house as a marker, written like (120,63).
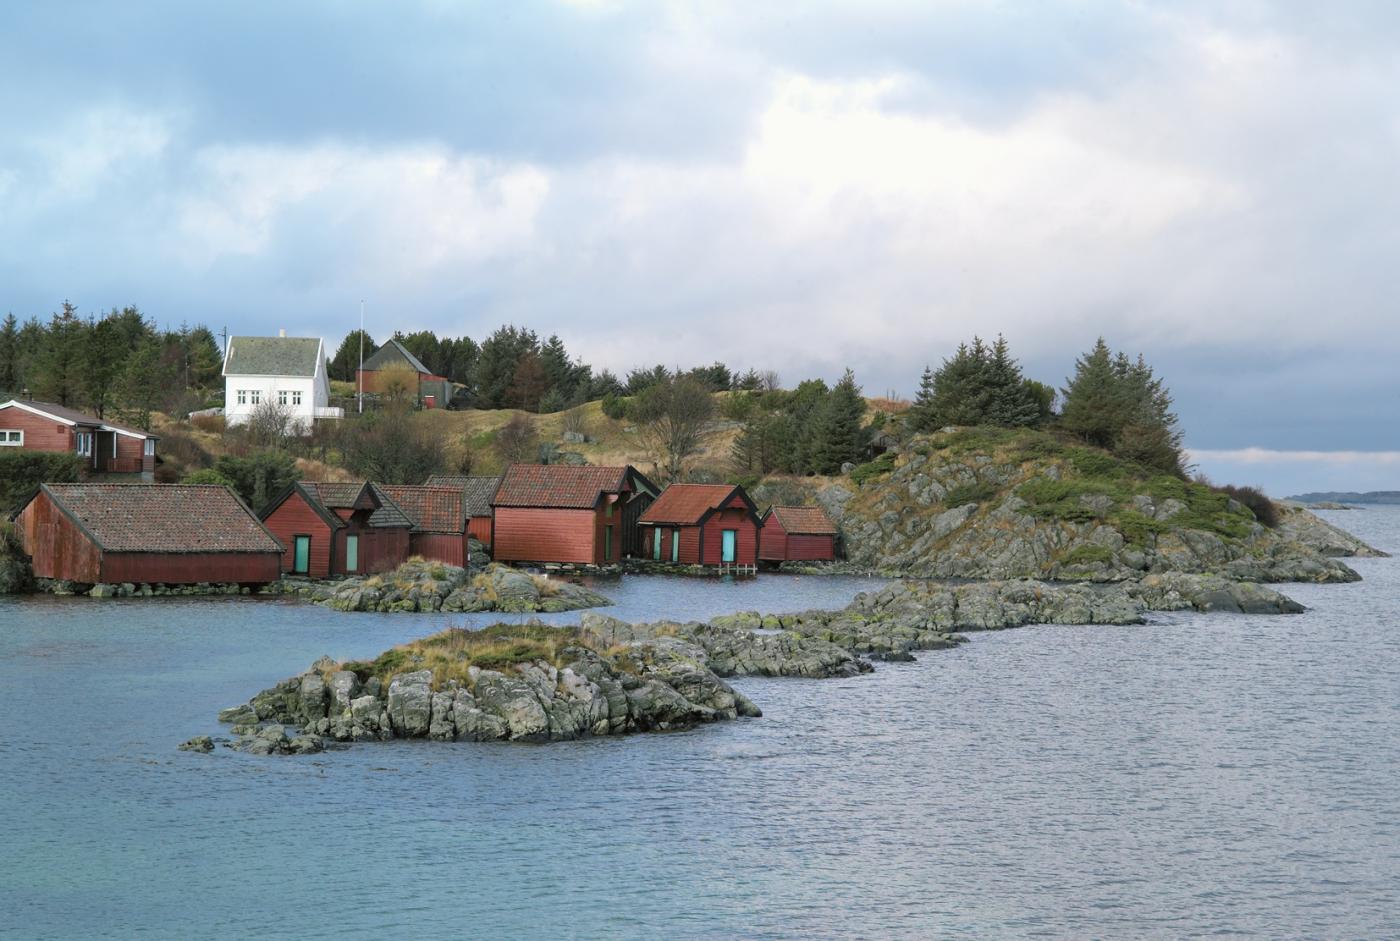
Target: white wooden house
(289,372)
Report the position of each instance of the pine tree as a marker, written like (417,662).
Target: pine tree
(921,414)
(1119,404)
(61,358)
(347,357)
(840,435)
(102,356)
(1094,409)
(9,355)
(1010,402)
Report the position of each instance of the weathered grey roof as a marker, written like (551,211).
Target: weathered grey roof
(394,352)
(476,491)
(272,356)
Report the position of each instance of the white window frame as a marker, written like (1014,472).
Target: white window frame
(242,396)
(149,449)
(296,397)
(281,396)
(6,441)
(84,443)
(255,396)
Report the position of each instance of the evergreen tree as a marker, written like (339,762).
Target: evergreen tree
(605,383)
(347,357)
(1094,407)
(1119,404)
(529,384)
(921,413)
(840,432)
(9,355)
(1010,401)
(558,370)
(497,363)
(59,372)
(103,354)
(978,385)
(205,361)
(144,380)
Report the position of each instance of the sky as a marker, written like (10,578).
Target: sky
(797,186)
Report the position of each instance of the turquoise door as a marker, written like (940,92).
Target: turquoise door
(675,545)
(656,543)
(301,555)
(731,538)
(352,553)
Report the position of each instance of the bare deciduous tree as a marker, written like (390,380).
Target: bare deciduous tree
(517,442)
(674,418)
(268,423)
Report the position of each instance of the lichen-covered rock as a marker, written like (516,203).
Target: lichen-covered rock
(410,703)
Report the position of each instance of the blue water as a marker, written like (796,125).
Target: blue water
(1224,775)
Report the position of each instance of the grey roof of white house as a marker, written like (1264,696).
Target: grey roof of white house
(272,356)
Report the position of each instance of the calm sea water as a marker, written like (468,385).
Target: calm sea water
(1225,776)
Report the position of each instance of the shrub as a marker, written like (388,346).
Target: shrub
(615,406)
(11,545)
(213,424)
(21,473)
(865,473)
(451,653)
(970,493)
(1264,509)
(1089,555)
(207,475)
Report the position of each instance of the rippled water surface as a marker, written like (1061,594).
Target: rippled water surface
(1224,775)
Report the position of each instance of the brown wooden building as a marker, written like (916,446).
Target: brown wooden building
(334,529)
(560,513)
(797,533)
(439,524)
(171,534)
(702,524)
(392,363)
(476,501)
(106,447)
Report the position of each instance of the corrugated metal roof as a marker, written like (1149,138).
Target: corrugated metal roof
(477,491)
(432,509)
(805,520)
(561,486)
(163,517)
(272,356)
(685,504)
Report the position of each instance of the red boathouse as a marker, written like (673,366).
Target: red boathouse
(171,534)
(476,502)
(439,525)
(332,529)
(701,524)
(560,513)
(797,533)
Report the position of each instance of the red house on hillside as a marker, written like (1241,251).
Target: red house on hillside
(797,533)
(476,502)
(106,447)
(95,533)
(439,523)
(702,524)
(560,513)
(338,529)
(392,363)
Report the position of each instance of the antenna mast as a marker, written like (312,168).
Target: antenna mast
(360,373)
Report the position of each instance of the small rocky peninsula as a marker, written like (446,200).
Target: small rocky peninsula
(536,683)
(432,586)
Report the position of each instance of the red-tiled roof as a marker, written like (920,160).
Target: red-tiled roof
(476,491)
(432,509)
(163,517)
(805,520)
(685,504)
(339,496)
(558,486)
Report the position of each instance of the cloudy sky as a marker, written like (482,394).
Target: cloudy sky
(805,187)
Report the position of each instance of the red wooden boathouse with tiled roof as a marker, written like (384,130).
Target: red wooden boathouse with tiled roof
(797,533)
(561,513)
(170,534)
(477,492)
(333,529)
(439,522)
(702,524)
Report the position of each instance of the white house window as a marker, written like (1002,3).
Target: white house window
(255,395)
(296,397)
(150,447)
(242,396)
(85,443)
(281,396)
(11,439)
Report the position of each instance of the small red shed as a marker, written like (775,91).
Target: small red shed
(439,525)
(476,501)
(171,534)
(560,513)
(797,533)
(332,529)
(701,524)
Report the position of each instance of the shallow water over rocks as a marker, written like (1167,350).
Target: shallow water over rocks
(1226,774)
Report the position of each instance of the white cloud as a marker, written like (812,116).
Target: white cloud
(1270,456)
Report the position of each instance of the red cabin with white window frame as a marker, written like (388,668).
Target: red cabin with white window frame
(105,447)
(701,524)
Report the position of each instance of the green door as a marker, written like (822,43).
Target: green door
(731,537)
(656,543)
(352,553)
(607,543)
(301,555)
(675,545)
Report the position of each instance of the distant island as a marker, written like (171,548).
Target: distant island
(1330,496)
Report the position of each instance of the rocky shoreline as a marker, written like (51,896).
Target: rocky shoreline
(419,586)
(534,683)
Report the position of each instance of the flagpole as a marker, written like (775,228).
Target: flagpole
(359,373)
